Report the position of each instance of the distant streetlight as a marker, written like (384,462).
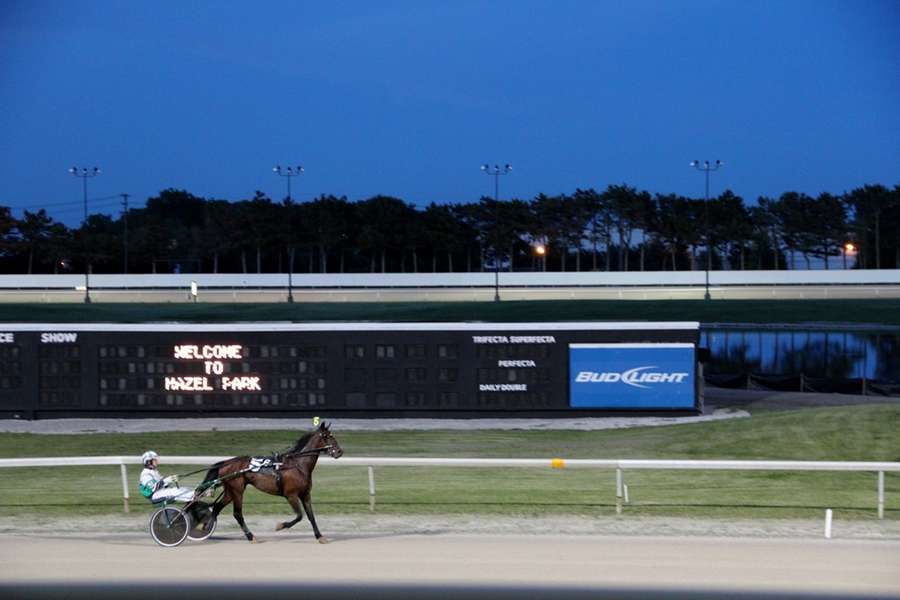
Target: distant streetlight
(496,171)
(706,167)
(84,173)
(540,251)
(288,173)
(848,248)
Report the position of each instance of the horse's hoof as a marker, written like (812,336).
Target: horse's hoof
(279,526)
(255,541)
(323,540)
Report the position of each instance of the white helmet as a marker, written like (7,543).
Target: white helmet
(147,456)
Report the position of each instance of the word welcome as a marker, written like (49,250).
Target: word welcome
(212,356)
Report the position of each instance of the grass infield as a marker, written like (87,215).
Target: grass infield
(863,433)
(869,311)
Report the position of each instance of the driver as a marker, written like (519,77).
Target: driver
(157,488)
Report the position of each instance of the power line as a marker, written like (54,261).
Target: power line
(66,203)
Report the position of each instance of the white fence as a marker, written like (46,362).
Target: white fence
(279,281)
(620,466)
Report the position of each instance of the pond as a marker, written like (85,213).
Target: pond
(835,353)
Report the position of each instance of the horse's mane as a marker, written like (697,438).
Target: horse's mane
(298,446)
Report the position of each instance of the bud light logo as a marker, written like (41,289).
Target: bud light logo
(650,376)
(636,377)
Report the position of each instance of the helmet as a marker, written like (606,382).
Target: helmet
(147,456)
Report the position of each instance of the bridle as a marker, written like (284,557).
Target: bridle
(313,452)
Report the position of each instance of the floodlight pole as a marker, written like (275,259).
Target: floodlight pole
(289,173)
(706,167)
(84,173)
(496,171)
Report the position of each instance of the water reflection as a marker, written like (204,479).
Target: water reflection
(815,353)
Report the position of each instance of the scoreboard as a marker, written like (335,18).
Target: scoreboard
(347,369)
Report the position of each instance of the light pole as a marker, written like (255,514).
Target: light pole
(706,167)
(84,173)
(496,171)
(289,173)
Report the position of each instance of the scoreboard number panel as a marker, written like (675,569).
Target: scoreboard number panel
(351,369)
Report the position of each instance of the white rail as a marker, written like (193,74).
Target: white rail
(207,281)
(620,465)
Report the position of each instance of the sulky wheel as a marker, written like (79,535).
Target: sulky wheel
(203,522)
(169,526)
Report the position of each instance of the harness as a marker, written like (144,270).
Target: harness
(265,465)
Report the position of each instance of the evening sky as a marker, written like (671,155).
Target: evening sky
(409,98)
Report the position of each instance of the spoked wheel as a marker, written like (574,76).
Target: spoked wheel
(169,526)
(203,522)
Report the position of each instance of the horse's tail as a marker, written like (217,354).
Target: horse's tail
(213,472)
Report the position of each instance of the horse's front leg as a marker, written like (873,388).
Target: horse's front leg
(307,506)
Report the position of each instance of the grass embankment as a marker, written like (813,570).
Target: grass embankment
(877,311)
(865,433)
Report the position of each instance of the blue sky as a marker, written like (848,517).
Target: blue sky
(409,98)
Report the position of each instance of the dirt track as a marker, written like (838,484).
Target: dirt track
(834,566)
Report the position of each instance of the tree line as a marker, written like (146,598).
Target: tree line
(618,229)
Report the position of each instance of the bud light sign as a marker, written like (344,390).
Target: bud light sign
(632,376)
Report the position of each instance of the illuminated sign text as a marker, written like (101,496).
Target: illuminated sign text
(212,356)
(59,338)
(513,339)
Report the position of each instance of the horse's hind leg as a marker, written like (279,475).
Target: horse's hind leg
(239,517)
(220,503)
(294,501)
(307,505)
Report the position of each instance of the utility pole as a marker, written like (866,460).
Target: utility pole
(125,232)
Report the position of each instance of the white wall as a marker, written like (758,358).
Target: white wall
(456,280)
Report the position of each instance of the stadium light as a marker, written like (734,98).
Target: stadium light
(706,167)
(84,173)
(288,173)
(496,171)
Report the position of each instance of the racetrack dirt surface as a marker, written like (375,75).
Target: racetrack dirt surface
(857,567)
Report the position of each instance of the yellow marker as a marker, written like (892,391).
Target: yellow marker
(315,421)
(557,463)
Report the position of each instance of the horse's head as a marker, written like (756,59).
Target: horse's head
(325,440)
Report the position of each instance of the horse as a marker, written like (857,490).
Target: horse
(293,480)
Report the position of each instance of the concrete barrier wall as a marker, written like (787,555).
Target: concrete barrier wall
(454,280)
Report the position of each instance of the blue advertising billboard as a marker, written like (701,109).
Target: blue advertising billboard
(631,376)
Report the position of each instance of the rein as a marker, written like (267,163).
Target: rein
(312,452)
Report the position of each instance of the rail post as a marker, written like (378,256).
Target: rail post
(880,494)
(371,489)
(124,472)
(619,490)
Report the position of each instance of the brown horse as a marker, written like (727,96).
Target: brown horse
(293,480)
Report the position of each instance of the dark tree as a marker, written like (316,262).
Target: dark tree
(35,230)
